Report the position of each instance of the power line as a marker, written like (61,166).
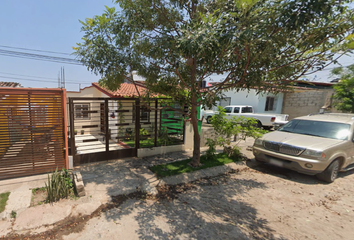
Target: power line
(34,50)
(39,57)
(13,74)
(36,80)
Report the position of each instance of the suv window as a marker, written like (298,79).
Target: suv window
(323,129)
(228,109)
(236,110)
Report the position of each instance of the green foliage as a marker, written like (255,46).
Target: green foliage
(13,214)
(176,45)
(59,185)
(211,152)
(3,199)
(183,166)
(238,127)
(143,132)
(163,136)
(344,90)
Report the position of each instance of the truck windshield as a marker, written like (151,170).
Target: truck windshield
(247,110)
(318,128)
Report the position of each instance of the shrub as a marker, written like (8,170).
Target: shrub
(239,127)
(59,185)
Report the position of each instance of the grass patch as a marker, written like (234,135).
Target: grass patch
(3,199)
(170,169)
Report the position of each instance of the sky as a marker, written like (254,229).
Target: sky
(48,26)
(54,26)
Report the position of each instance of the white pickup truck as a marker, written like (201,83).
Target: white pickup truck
(266,121)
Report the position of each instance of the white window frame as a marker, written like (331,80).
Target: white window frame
(78,112)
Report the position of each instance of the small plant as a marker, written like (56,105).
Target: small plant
(13,214)
(163,135)
(59,185)
(239,127)
(75,132)
(82,132)
(143,133)
(211,152)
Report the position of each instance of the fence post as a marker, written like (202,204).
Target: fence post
(106,123)
(137,124)
(156,106)
(72,127)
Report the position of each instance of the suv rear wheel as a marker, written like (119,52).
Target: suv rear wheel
(331,173)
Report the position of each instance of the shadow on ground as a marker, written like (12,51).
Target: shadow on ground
(289,174)
(208,208)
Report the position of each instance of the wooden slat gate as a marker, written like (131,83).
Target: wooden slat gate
(32,131)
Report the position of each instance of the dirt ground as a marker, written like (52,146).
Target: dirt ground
(254,202)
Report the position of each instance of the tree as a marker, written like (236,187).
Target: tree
(175,45)
(344,90)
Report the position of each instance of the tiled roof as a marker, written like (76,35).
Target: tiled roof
(10,84)
(125,90)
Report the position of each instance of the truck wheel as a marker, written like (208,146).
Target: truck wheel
(208,119)
(331,173)
(258,124)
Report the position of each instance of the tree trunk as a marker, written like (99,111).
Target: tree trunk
(196,149)
(194,88)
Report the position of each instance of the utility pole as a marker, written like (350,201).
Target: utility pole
(61,78)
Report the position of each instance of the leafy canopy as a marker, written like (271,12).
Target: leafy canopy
(344,90)
(251,43)
(177,44)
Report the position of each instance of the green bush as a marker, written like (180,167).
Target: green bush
(59,185)
(238,127)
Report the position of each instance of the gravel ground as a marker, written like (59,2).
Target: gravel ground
(252,202)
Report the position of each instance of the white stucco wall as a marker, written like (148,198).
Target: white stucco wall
(260,108)
(258,102)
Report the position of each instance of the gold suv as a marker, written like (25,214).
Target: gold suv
(320,145)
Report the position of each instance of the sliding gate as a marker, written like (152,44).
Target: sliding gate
(111,128)
(32,131)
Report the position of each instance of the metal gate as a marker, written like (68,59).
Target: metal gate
(109,128)
(101,129)
(32,131)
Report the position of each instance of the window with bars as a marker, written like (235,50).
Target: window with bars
(270,104)
(81,111)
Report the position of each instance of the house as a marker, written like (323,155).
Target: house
(263,102)
(304,98)
(104,121)
(308,98)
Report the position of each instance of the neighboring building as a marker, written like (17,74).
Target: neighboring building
(264,102)
(305,98)
(308,98)
(10,84)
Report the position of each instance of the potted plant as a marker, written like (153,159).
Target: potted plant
(75,132)
(82,132)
